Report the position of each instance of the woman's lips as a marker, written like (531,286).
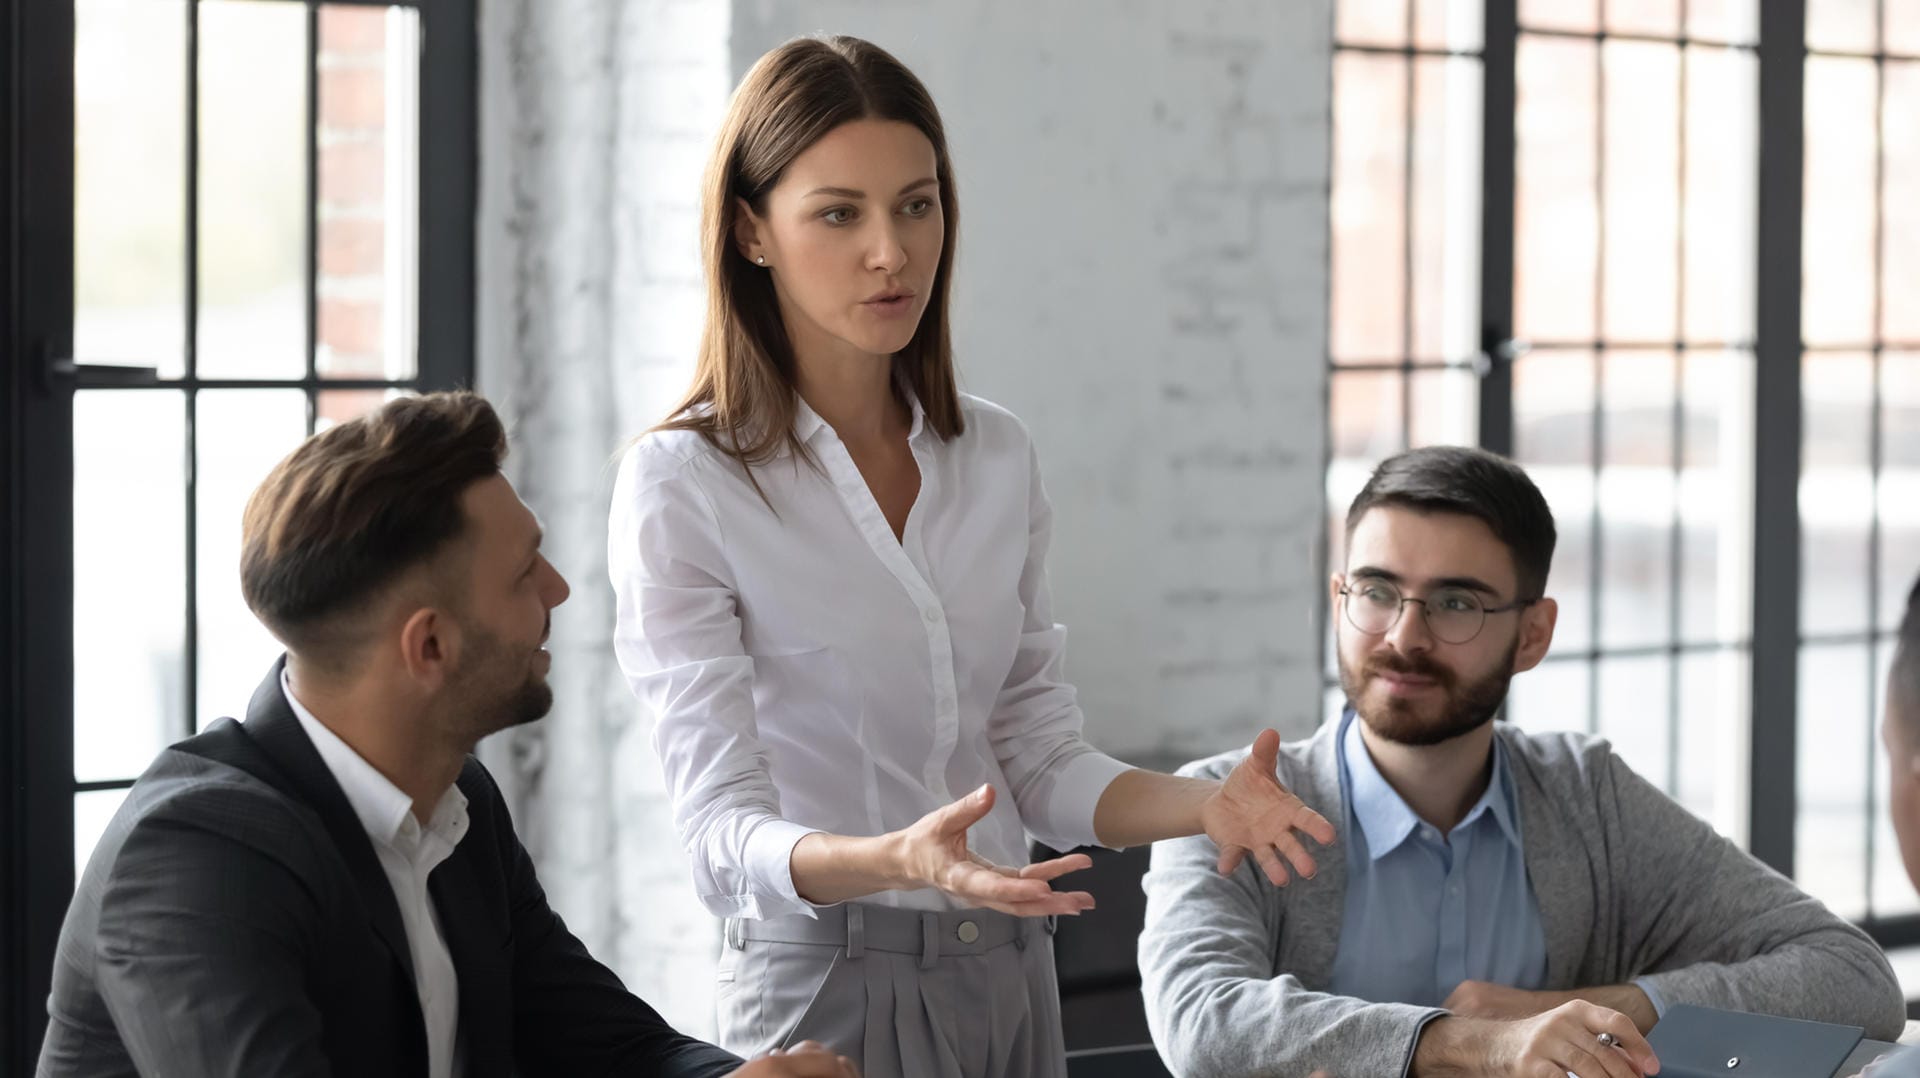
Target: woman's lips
(888,308)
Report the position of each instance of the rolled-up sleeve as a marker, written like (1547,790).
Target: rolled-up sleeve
(677,636)
(1055,775)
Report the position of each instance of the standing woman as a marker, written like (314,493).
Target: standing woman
(830,567)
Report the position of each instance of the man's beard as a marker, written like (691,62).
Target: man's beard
(1466,709)
(483,704)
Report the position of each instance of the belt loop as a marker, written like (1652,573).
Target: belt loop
(929,939)
(1053,924)
(734,939)
(856,930)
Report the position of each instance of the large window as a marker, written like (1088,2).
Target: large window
(1597,169)
(251,255)
(1859,491)
(270,284)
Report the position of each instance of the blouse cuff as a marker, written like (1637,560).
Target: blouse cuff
(770,861)
(1076,794)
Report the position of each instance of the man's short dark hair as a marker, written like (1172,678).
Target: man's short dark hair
(1474,483)
(354,507)
(1904,680)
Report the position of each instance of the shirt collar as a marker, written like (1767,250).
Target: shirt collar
(1385,819)
(807,422)
(382,807)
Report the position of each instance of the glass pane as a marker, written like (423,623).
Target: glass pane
(253,190)
(1900,205)
(1657,17)
(129,188)
(92,812)
(242,435)
(1837,305)
(1715,502)
(129,579)
(1893,892)
(1635,707)
(1845,25)
(1723,148)
(335,406)
(1836,492)
(368,191)
(1559,15)
(1642,190)
(1367,416)
(1637,500)
(1830,828)
(1446,209)
(1899,498)
(1446,408)
(1553,697)
(1459,25)
(1555,213)
(1713,714)
(1367,427)
(1369,207)
(1370,22)
(1733,21)
(1553,402)
(1903,29)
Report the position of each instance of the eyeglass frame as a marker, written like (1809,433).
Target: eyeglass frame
(1400,611)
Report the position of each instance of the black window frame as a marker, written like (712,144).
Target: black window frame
(36,401)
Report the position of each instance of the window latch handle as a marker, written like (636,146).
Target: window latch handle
(64,372)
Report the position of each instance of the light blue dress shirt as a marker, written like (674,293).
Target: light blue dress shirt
(1426,911)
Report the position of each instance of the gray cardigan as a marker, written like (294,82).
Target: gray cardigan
(1236,971)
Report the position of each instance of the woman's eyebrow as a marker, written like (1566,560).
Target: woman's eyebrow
(848,192)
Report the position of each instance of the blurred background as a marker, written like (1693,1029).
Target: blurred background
(1222,257)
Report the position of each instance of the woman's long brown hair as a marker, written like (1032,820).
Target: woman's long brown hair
(743,398)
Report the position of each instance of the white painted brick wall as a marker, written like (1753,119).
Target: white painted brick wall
(596,118)
(1142,277)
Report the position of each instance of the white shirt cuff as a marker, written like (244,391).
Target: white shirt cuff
(1076,794)
(770,857)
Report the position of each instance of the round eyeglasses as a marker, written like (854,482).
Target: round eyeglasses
(1454,615)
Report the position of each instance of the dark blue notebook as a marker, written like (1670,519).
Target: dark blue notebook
(1700,1042)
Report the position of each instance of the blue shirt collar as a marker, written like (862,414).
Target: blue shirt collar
(1386,821)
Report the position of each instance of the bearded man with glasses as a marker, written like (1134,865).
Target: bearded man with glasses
(1498,902)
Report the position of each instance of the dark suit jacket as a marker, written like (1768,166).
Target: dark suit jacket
(234,921)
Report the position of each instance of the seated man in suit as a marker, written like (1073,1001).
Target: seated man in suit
(1498,900)
(334,885)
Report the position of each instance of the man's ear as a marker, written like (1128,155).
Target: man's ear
(1334,584)
(747,228)
(1536,634)
(429,646)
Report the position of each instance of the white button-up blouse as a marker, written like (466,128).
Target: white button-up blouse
(806,671)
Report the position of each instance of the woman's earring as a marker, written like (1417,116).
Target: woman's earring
(762,259)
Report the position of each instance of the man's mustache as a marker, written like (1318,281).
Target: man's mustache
(1408,666)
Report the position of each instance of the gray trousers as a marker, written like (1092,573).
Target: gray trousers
(904,993)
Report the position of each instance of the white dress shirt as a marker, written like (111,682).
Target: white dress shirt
(806,671)
(408,854)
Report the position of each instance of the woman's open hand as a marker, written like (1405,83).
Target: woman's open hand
(933,852)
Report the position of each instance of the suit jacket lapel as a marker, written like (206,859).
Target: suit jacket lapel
(274,729)
(481,960)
